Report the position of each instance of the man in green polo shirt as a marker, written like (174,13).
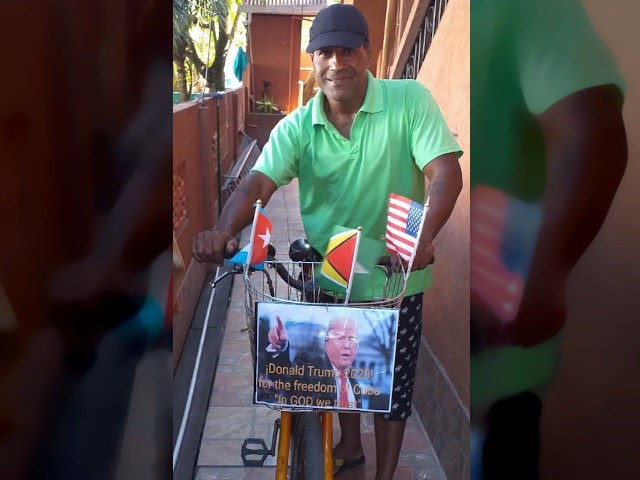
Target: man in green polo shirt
(358,140)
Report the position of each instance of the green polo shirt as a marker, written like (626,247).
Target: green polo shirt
(523,62)
(524,59)
(346,182)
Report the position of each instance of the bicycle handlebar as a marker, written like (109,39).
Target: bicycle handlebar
(300,251)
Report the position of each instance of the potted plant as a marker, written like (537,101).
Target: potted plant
(266,103)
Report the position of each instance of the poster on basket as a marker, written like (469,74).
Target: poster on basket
(327,357)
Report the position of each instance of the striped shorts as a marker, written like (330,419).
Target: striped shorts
(407,346)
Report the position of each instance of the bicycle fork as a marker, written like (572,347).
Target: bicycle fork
(285,444)
(327,444)
(282,461)
(283,424)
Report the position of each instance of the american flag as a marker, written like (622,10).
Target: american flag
(498,255)
(403,226)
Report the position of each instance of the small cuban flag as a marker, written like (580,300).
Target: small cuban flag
(255,252)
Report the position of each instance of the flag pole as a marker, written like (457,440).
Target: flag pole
(253,231)
(413,254)
(353,265)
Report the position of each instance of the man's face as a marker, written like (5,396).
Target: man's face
(341,73)
(341,342)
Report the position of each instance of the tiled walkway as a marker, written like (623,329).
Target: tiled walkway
(232,417)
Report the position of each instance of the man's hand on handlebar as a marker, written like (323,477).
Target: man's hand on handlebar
(424,256)
(213,246)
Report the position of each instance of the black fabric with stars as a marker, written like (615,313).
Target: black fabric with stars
(407,346)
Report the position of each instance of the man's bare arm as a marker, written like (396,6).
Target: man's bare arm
(586,151)
(445,184)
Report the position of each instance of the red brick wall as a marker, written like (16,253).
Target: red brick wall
(195,187)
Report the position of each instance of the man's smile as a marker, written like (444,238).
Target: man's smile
(339,79)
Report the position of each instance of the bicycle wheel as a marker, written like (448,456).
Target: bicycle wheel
(307,460)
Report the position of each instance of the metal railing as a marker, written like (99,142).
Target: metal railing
(283,7)
(261,3)
(423,39)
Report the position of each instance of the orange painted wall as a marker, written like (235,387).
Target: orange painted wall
(277,59)
(591,409)
(445,72)
(374,12)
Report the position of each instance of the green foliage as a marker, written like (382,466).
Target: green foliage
(266,105)
(202,30)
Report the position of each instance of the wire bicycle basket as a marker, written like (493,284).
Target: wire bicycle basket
(274,284)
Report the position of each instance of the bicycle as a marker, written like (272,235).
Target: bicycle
(305,434)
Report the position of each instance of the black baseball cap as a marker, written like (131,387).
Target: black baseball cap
(338,25)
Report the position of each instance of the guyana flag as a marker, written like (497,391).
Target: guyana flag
(340,258)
